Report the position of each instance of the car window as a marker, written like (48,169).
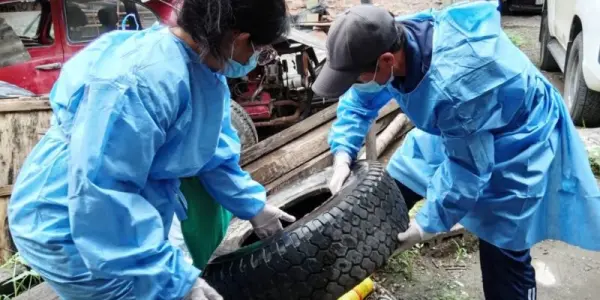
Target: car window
(88,19)
(24,19)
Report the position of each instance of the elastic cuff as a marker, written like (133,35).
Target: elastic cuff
(345,150)
(256,210)
(190,279)
(429,220)
(342,157)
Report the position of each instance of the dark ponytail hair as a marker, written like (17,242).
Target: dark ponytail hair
(210,21)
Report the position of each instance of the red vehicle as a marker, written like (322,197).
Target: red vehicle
(51,31)
(38,36)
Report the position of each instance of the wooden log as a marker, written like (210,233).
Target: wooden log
(283,160)
(397,129)
(274,142)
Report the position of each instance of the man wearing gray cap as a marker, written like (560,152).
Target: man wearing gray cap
(494,147)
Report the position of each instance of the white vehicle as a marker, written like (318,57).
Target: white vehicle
(570,41)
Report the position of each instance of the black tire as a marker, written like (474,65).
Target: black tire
(583,104)
(505,7)
(241,121)
(325,253)
(547,61)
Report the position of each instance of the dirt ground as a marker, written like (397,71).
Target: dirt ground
(451,271)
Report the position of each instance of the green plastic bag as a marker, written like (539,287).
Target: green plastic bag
(206,224)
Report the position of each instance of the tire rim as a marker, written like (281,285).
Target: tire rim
(572,80)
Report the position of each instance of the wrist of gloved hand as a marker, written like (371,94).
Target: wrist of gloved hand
(341,171)
(201,290)
(413,235)
(342,158)
(267,222)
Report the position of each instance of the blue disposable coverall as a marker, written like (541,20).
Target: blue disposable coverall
(494,147)
(92,205)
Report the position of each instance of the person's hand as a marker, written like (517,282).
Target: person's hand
(341,171)
(267,222)
(202,291)
(413,235)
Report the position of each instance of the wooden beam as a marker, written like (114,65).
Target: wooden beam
(26,104)
(6,191)
(278,163)
(41,291)
(325,160)
(277,140)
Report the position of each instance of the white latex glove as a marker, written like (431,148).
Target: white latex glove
(267,222)
(202,291)
(341,171)
(413,235)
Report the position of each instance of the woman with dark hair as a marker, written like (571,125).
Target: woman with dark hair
(134,112)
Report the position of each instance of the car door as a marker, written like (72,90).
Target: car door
(86,20)
(34,23)
(562,12)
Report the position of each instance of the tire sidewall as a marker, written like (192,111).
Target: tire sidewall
(573,87)
(242,123)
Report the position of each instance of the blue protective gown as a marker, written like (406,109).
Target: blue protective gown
(93,203)
(494,147)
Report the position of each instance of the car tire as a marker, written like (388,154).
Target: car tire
(583,104)
(505,7)
(326,252)
(241,121)
(547,61)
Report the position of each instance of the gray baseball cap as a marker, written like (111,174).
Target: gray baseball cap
(355,40)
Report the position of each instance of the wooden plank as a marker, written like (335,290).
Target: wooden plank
(275,141)
(6,190)
(279,162)
(41,291)
(285,159)
(311,167)
(321,162)
(25,105)
(18,135)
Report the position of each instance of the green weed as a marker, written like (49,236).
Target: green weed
(23,278)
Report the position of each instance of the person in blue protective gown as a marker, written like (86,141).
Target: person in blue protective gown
(133,112)
(493,149)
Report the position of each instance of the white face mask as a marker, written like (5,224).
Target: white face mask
(372,86)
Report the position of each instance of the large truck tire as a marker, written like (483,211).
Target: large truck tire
(241,121)
(327,251)
(583,104)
